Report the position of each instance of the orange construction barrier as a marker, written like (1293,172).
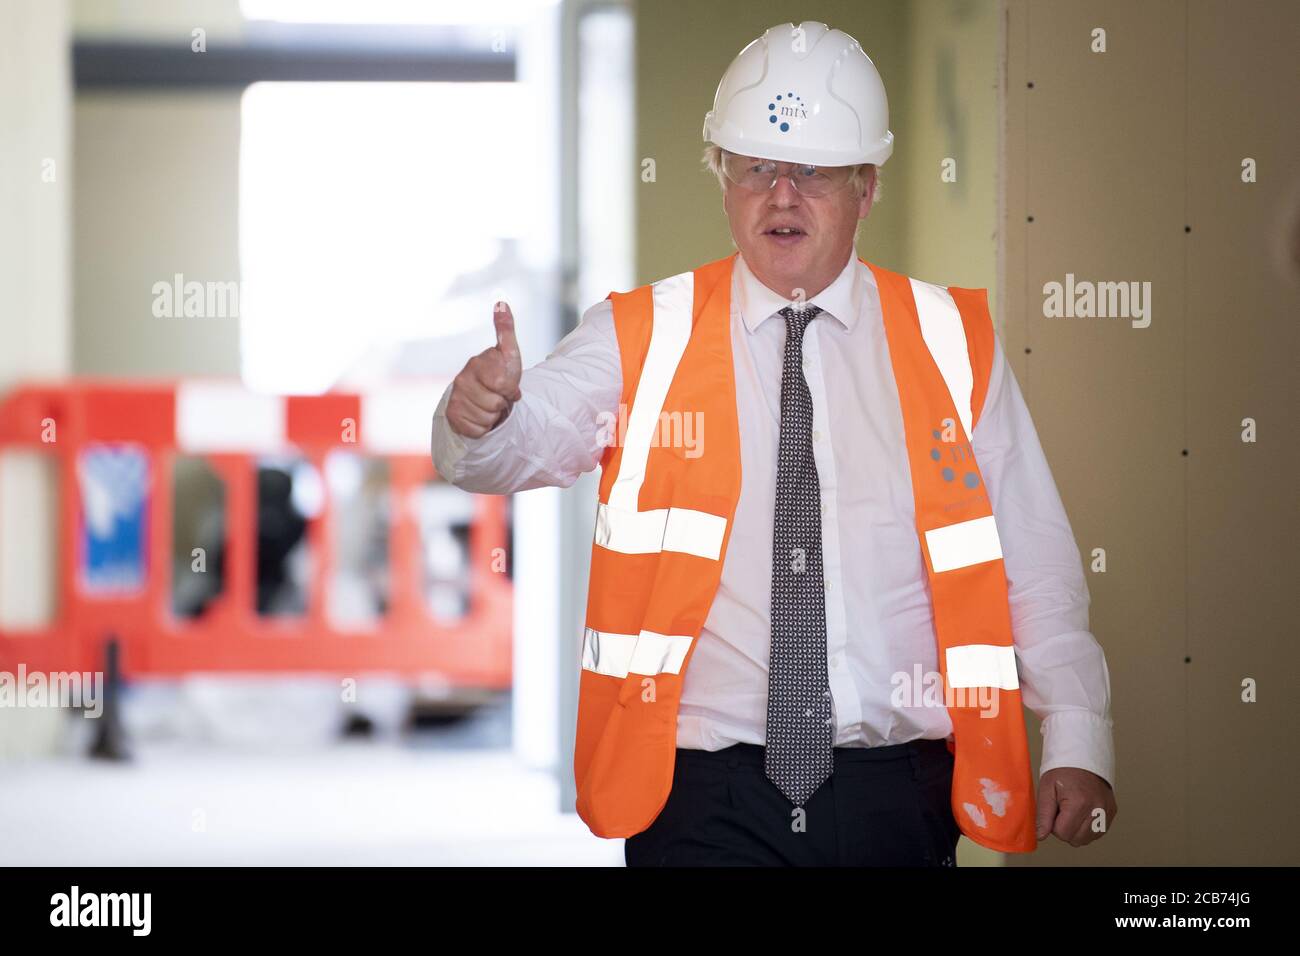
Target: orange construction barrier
(76,422)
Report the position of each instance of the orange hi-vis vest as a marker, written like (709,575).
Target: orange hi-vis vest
(664,518)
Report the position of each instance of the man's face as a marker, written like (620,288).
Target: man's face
(811,258)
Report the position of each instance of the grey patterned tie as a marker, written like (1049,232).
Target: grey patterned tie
(799,732)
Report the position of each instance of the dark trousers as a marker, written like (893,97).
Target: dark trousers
(882,806)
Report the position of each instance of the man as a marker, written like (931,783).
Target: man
(805,575)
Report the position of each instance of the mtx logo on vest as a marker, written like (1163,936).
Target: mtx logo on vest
(955,460)
(956,463)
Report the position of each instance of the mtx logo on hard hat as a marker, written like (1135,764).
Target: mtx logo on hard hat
(792,107)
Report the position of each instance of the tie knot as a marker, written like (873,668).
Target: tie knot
(802,314)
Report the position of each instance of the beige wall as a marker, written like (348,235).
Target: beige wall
(35,328)
(157,187)
(157,192)
(951,113)
(1114,154)
(156,20)
(35,190)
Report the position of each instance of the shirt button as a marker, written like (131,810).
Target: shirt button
(825,507)
(817,436)
(826,583)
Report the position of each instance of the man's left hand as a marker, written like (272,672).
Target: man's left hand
(1074,805)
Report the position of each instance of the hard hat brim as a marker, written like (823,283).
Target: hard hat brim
(734,141)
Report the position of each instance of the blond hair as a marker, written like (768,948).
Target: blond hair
(857,182)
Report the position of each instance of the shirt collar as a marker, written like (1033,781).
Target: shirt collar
(758,303)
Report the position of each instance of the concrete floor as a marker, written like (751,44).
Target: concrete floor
(219,776)
(353,803)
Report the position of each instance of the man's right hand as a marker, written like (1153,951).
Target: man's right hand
(488,385)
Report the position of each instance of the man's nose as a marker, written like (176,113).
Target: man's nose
(783,194)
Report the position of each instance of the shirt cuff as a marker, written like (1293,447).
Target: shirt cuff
(449,447)
(1079,738)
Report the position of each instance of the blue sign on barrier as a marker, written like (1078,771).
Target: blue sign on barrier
(114,485)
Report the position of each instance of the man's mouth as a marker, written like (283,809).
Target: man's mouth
(785,235)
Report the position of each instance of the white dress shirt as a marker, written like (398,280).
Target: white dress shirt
(879,620)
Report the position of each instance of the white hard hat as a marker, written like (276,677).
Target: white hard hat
(805,94)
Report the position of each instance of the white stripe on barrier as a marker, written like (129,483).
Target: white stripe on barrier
(617,655)
(225,416)
(963,544)
(945,337)
(396,420)
(982,665)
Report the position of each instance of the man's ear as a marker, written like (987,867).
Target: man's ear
(866,202)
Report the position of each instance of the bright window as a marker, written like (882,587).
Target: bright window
(363,208)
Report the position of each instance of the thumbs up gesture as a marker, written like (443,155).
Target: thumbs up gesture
(488,385)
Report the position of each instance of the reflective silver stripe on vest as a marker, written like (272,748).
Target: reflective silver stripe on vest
(982,665)
(617,655)
(962,544)
(945,337)
(664,529)
(620,526)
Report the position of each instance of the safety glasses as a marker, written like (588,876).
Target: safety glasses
(760,175)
